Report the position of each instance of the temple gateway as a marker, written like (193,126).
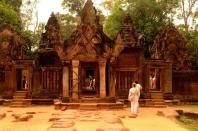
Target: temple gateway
(90,65)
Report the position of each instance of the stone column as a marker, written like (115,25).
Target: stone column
(75,74)
(102,70)
(112,80)
(168,81)
(30,89)
(65,81)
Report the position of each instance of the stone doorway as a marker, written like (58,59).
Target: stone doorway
(89,79)
(154,79)
(21,79)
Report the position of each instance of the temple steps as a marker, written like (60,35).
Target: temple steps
(157,99)
(19,99)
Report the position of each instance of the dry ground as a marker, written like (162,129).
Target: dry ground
(147,119)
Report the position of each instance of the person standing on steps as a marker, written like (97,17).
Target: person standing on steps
(25,85)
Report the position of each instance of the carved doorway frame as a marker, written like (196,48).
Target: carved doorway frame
(86,70)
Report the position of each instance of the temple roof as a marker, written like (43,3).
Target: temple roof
(127,35)
(51,38)
(88,40)
(170,45)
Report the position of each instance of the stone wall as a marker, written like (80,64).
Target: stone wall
(185,85)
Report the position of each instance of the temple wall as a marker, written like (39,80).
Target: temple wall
(185,85)
(36,85)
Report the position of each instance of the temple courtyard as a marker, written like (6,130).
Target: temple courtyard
(46,118)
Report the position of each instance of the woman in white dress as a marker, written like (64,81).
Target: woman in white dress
(134,97)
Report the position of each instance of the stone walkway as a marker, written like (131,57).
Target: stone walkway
(45,118)
(69,120)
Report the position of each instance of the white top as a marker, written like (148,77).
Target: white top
(134,92)
(138,87)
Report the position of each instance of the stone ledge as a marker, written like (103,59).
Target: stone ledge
(59,105)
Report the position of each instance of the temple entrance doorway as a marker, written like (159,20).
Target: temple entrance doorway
(154,79)
(89,79)
(21,79)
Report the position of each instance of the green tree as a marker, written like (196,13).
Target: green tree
(68,24)
(149,18)
(28,11)
(113,22)
(188,12)
(16,4)
(74,7)
(9,16)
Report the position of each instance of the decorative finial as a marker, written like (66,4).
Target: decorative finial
(88,14)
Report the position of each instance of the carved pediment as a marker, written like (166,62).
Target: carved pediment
(127,37)
(88,41)
(12,45)
(170,46)
(127,34)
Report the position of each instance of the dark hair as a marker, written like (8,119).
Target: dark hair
(136,82)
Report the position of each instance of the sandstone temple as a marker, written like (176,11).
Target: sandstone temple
(89,65)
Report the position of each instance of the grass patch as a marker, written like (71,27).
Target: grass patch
(188,122)
(191,108)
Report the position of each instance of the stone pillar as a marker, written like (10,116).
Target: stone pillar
(75,68)
(30,89)
(168,81)
(102,69)
(65,81)
(112,80)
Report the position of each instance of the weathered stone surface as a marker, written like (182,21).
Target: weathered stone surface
(54,119)
(16,116)
(112,120)
(2,115)
(88,120)
(160,113)
(112,127)
(65,124)
(61,129)
(63,108)
(22,117)
(30,112)
(121,116)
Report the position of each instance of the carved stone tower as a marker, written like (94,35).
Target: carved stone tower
(52,37)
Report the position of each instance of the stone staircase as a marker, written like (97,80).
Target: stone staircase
(157,99)
(19,99)
(91,103)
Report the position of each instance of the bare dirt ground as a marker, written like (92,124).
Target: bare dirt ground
(146,120)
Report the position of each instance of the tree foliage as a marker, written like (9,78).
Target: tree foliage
(149,16)
(73,6)
(9,16)
(113,22)
(28,12)
(68,24)
(188,13)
